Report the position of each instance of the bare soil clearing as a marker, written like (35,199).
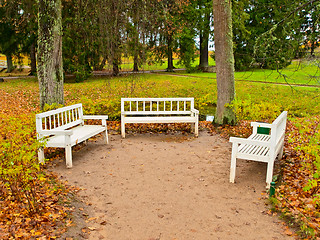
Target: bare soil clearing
(169,187)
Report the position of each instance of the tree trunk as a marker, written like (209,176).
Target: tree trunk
(103,63)
(115,67)
(33,59)
(204,44)
(204,51)
(135,62)
(313,47)
(9,63)
(224,61)
(136,51)
(170,54)
(50,70)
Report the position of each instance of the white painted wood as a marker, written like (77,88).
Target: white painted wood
(161,110)
(64,128)
(41,155)
(260,147)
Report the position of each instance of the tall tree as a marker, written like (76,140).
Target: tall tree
(168,25)
(310,27)
(18,24)
(9,37)
(224,60)
(136,31)
(82,41)
(29,30)
(50,70)
(205,9)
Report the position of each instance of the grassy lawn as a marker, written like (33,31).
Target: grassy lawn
(299,72)
(102,95)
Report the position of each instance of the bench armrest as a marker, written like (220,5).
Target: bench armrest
(55,132)
(195,111)
(95,117)
(236,140)
(259,124)
(103,118)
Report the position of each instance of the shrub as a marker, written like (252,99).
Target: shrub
(18,164)
(246,109)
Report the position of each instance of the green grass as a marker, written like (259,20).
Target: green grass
(102,95)
(298,73)
(270,98)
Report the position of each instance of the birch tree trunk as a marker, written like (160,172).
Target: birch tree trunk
(224,60)
(50,70)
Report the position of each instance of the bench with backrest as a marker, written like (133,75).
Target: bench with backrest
(158,110)
(64,127)
(260,147)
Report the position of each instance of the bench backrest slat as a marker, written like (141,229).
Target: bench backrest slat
(154,106)
(278,128)
(60,119)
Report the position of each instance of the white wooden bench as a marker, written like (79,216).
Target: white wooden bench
(260,147)
(64,128)
(158,110)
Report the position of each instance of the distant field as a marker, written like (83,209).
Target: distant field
(299,72)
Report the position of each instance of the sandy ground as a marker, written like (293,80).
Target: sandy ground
(169,187)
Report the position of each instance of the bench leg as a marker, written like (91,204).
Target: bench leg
(106,138)
(68,151)
(269,173)
(281,153)
(233,162)
(192,127)
(196,129)
(123,130)
(41,155)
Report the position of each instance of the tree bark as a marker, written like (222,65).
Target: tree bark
(50,69)
(33,59)
(224,61)
(103,63)
(204,44)
(136,62)
(204,50)
(9,63)
(115,68)
(313,47)
(170,54)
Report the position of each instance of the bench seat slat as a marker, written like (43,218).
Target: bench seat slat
(254,150)
(159,119)
(80,134)
(156,113)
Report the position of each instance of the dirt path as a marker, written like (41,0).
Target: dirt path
(169,187)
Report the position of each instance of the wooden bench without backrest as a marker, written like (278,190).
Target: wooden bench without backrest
(64,127)
(260,147)
(158,110)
